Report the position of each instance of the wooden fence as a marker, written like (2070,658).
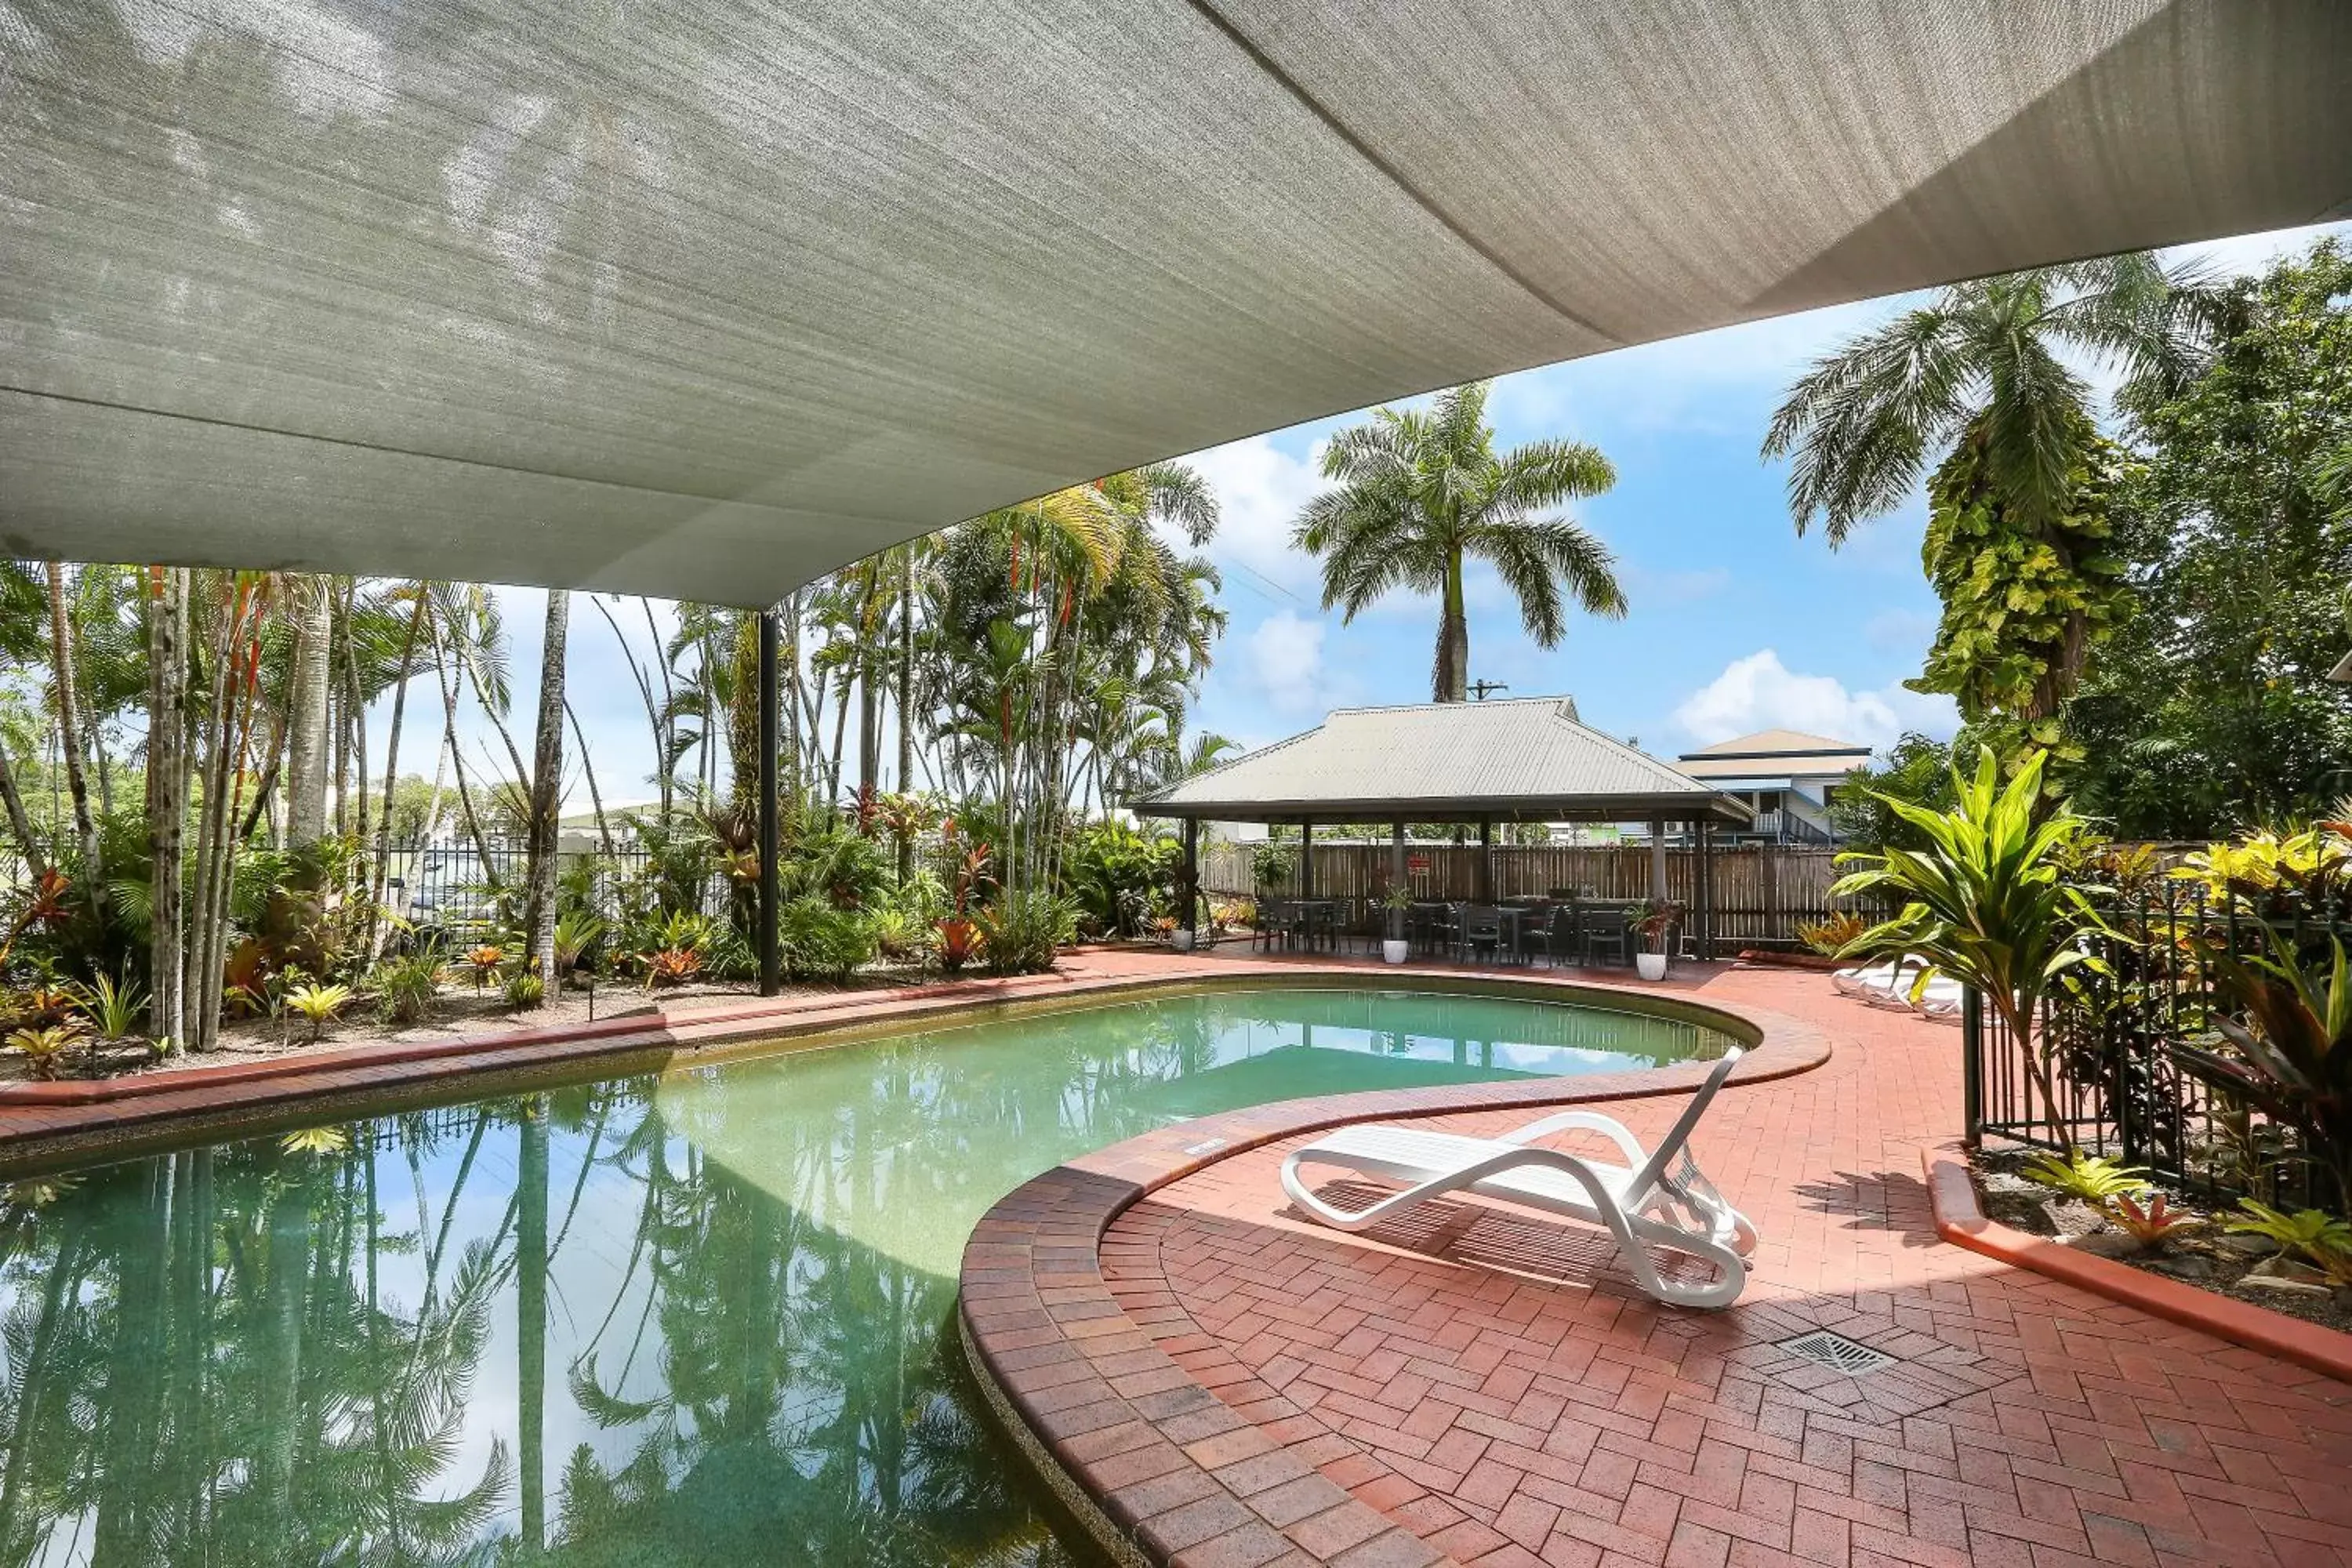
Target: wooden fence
(1761,892)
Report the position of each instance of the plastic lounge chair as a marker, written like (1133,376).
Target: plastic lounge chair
(1643,1205)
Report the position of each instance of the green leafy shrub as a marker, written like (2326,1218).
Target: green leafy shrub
(902,936)
(823,940)
(112,1008)
(405,988)
(2322,1240)
(1116,873)
(576,932)
(2292,1058)
(525,991)
(1021,933)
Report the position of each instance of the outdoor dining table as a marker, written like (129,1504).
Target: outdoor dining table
(1317,916)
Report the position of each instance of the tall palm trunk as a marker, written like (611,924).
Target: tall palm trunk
(377,885)
(69,726)
(546,795)
(306,719)
(1452,678)
(588,771)
(20,821)
(167,798)
(906,700)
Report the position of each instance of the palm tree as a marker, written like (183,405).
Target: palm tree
(1976,374)
(1420,492)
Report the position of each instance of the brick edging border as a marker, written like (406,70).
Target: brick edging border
(1961,1220)
(1147,1457)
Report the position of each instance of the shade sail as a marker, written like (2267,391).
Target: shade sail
(704,299)
(1527,759)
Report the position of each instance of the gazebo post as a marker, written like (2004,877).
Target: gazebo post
(1307,860)
(1393,926)
(1658,857)
(1485,859)
(1705,889)
(1191,875)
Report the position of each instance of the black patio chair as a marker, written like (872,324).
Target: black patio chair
(1481,931)
(1273,924)
(1560,938)
(1611,929)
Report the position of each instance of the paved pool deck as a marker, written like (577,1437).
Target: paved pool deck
(1231,1386)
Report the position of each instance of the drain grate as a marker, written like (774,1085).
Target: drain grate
(1837,1352)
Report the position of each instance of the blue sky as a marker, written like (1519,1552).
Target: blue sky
(1736,623)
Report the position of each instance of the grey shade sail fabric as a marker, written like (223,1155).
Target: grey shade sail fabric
(706,299)
(1527,758)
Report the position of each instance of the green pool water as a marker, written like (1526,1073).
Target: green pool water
(700,1319)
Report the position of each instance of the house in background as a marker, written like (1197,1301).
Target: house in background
(1788,776)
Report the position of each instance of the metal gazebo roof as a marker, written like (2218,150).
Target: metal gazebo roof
(1528,759)
(706,299)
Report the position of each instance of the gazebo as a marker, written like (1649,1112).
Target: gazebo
(1476,764)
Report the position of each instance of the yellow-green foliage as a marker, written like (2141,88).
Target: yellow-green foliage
(2024,597)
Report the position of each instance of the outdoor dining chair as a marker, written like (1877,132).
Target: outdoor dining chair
(1481,932)
(1560,938)
(1608,930)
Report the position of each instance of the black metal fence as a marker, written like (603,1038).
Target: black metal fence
(2119,1086)
(450,887)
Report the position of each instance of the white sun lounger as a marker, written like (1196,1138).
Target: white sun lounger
(1891,984)
(1644,1205)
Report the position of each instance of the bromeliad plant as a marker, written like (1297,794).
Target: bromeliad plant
(319,1003)
(2322,1240)
(2291,1058)
(2093,1178)
(1986,901)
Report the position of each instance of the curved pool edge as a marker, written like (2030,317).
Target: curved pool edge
(1164,1470)
(51,1127)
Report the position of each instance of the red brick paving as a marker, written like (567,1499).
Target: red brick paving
(1490,1388)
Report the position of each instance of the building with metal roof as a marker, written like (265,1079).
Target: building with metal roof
(1528,759)
(1788,777)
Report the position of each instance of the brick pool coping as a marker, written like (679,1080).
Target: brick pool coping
(1960,1219)
(1148,1458)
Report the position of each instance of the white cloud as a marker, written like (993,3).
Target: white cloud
(1260,489)
(1759,692)
(1284,659)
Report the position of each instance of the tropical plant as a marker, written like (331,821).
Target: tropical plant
(1653,919)
(1417,494)
(2291,1058)
(525,991)
(112,1007)
(2093,1178)
(484,961)
(1022,932)
(2152,1223)
(2258,866)
(824,940)
(2322,1240)
(576,932)
(1833,932)
(1271,865)
(1985,901)
(959,941)
(2018,521)
(1116,871)
(45,1045)
(405,987)
(671,967)
(900,936)
(320,1005)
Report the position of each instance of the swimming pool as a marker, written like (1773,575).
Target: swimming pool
(696,1318)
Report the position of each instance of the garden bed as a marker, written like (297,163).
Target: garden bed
(2206,1257)
(458,1011)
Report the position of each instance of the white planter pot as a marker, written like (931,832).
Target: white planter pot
(1181,940)
(1650,965)
(1396,952)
